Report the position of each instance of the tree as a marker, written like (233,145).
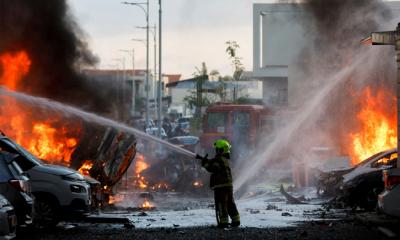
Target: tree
(192,99)
(238,67)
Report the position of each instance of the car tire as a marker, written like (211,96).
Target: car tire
(45,213)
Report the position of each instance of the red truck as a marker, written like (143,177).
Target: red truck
(242,125)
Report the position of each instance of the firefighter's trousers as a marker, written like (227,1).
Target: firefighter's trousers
(225,206)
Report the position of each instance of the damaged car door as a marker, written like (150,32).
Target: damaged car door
(362,186)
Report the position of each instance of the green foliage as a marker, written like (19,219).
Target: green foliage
(231,50)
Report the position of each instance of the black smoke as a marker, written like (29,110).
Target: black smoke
(336,28)
(340,25)
(56,47)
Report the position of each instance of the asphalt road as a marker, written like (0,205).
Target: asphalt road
(308,230)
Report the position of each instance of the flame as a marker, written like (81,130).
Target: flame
(85,168)
(197,184)
(140,166)
(46,144)
(377,130)
(146,204)
(47,139)
(15,67)
(115,199)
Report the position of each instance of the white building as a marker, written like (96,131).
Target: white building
(277,41)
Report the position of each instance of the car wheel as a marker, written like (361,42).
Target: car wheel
(45,213)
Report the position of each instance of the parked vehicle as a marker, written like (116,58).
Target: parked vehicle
(361,184)
(188,142)
(185,119)
(242,125)
(15,187)
(389,199)
(59,192)
(8,219)
(154,131)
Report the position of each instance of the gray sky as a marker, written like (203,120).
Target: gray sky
(193,31)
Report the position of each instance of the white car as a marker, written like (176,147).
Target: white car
(389,199)
(59,192)
(154,131)
(8,219)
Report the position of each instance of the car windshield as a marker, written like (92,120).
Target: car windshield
(368,159)
(217,120)
(189,140)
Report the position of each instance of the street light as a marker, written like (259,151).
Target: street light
(154,32)
(133,103)
(159,66)
(120,93)
(146,12)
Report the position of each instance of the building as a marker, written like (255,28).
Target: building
(277,41)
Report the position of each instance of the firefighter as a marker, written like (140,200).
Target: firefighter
(221,183)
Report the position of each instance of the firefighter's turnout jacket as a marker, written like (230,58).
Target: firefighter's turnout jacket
(221,175)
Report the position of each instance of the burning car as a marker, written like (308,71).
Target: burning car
(361,184)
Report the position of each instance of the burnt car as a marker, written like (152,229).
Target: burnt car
(360,185)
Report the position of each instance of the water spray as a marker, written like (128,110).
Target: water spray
(91,117)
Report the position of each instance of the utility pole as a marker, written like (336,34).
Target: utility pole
(133,95)
(147,66)
(154,32)
(155,65)
(390,38)
(159,67)
(147,13)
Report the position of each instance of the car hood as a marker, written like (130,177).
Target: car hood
(360,171)
(54,169)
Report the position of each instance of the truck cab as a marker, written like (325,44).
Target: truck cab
(242,125)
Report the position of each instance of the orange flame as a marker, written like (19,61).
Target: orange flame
(378,126)
(115,199)
(146,204)
(15,67)
(140,166)
(41,137)
(85,168)
(197,184)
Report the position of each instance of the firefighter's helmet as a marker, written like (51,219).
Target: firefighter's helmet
(223,144)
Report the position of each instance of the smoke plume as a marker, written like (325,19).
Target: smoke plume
(46,30)
(331,72)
